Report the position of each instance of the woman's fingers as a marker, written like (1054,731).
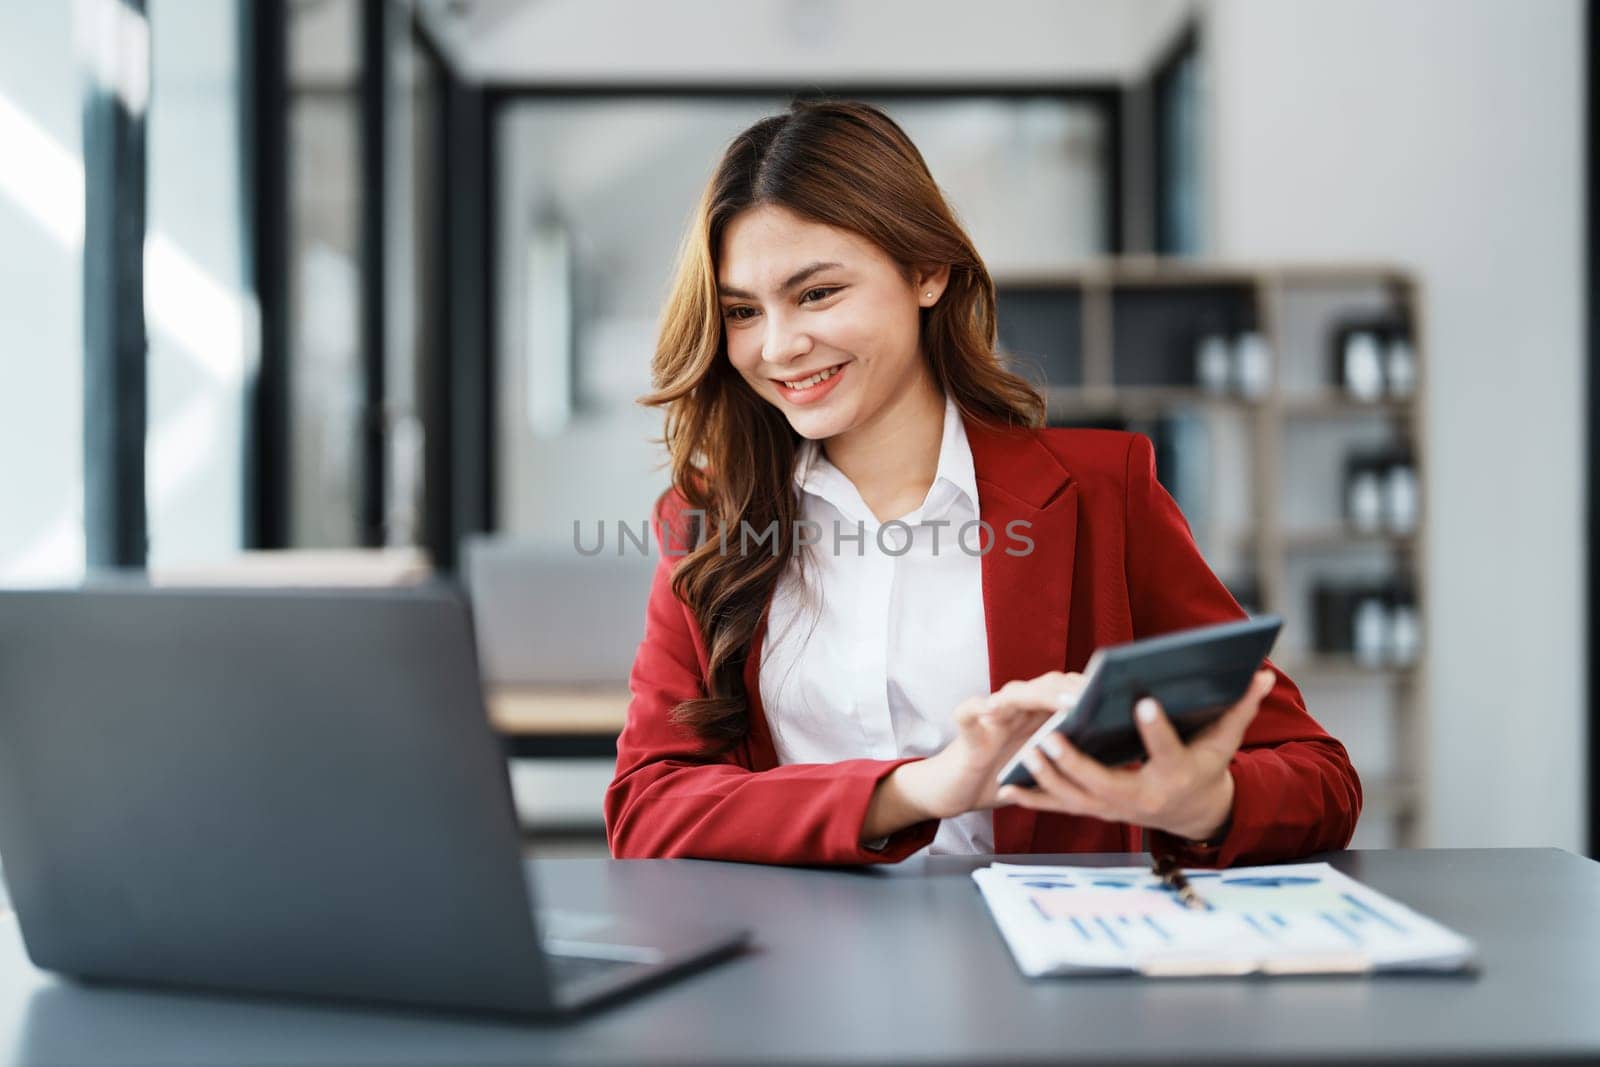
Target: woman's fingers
(1160,737)
(1021,727)
(1002,735)
(991,733)
(1014,697)
(1052,692)
(1227,733)
(968,712)
(1108,785)
(1053,789)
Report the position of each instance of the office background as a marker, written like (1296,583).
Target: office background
(346,274)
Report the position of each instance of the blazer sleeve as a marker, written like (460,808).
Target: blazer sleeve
(1295,791)
(668,799)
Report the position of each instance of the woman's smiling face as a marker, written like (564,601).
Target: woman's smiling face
(802,298)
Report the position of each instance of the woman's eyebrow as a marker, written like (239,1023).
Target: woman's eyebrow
(789,283)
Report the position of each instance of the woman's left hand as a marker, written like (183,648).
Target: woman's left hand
(1183,789)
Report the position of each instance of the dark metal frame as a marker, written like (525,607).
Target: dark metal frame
(115,343)
(472,333)
(459,466)
(434,348)
(263,53)
(377,40)
(268,506)
(1592,430)
(1165,70)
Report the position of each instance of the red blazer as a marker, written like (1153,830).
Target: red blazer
(1113,559)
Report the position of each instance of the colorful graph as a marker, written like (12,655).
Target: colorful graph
(1127,909)
(1294,918)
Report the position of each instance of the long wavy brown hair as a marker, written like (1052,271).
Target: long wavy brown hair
(732,453)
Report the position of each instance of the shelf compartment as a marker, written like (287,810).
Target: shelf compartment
(1155,327)
(1041,332)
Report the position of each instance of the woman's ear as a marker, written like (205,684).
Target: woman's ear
(931,283)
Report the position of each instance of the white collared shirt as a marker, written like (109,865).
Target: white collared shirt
(868,655)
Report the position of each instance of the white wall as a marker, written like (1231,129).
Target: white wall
(1447,135)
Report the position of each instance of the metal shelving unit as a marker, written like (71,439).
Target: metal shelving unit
(1294,308)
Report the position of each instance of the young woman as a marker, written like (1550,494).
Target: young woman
(878,572)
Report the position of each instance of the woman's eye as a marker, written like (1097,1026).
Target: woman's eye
(739,313)
(821,293)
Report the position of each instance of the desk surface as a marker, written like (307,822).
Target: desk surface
(903,965)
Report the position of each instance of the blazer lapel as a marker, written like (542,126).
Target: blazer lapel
(1024,494)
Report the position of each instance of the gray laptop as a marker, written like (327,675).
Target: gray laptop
(288,792)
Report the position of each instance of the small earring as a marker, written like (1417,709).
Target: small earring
(927,294)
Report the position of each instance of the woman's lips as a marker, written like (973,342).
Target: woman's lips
(812,394)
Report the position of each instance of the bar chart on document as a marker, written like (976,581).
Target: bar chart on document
(1300,918)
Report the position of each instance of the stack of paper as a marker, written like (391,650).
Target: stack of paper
(1294,919)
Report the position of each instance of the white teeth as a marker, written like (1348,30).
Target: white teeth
(807,383)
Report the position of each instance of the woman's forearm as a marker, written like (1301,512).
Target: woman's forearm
(898,802)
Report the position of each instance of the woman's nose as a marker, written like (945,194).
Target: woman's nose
(783,341)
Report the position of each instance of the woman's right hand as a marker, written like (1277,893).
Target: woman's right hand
(961,776)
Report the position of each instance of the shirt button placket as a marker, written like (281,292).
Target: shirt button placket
(872,626)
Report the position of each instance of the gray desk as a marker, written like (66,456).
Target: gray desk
(903,965)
